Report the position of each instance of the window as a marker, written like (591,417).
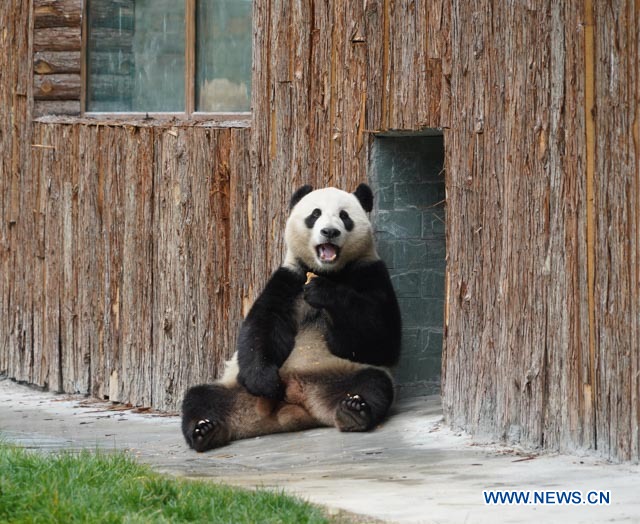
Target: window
(168,56)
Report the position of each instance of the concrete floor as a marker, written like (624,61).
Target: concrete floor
(413,469)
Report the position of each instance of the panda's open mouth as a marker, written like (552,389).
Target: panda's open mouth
(327,253)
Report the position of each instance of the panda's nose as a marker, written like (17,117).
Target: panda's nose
(330,232)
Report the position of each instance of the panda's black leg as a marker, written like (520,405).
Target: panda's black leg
(205,414)
(367,401)
(354,400)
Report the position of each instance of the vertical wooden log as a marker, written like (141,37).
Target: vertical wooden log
(353,79)
(111,177)
(73,375)
(41,158)
(137,351)
(568,417)
(616,206)
(375,47)
(243,251)
(50,203)
(15,176)
(91,266)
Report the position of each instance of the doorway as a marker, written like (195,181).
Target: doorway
(407,176)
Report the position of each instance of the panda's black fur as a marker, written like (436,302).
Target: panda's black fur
(309,354)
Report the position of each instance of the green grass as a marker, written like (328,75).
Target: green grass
(101,487)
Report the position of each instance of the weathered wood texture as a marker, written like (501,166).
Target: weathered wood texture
(129,253)
(129,261)
(15,183)
(57,57)
(542,180)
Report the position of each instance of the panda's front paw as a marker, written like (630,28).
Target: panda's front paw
(262,381)
(319,292)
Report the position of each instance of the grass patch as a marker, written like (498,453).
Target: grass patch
(103,487)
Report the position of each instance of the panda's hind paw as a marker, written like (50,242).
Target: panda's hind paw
(353,414)
(202,428)
(207,434)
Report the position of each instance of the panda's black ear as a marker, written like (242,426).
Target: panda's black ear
(299,194)
(364,194)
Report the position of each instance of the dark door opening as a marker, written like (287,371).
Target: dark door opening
(407,176)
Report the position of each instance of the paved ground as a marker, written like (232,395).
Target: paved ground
(410,470)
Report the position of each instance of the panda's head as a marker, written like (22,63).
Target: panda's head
(328,228)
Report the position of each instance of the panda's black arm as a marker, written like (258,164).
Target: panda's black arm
(268,334)
(365,317)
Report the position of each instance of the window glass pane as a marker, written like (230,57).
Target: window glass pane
(223,55)
(135,55)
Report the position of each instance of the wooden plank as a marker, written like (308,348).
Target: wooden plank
(242,250)
(56,107)
(374,36)
(73,367)
(137,350)
(211,260)
(91,271)
(57,87)
(172,285)
(33,237)
(404,74)
(50,196)
(111,177)
(55,62)
(57,13)
(15,166)
(353,81)
(57,39)
(320,96)
(616,203)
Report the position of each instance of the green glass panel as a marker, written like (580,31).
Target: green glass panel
(223,55)
(135,55)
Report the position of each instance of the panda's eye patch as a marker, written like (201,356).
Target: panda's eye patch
(346,220)
(311,219)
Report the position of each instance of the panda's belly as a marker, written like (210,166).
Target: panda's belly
(311,355)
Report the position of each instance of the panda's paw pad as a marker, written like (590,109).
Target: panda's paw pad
(202,429)
(353,414)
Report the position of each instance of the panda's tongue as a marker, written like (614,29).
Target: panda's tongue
(327,252)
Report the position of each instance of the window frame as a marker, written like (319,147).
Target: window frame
(189,113)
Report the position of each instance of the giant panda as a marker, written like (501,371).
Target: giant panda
(318,344)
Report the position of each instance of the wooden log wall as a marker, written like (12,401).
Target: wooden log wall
(57,41)
(538,101)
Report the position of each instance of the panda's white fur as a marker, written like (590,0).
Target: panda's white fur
(323,381)
(301,241)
